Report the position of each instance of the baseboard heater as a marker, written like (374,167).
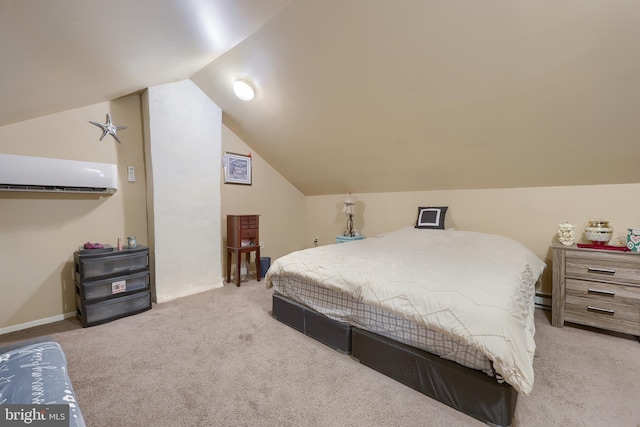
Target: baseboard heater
(542,301)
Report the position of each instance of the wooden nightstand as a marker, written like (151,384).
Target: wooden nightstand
(597,288)
(343,239)
(243,236)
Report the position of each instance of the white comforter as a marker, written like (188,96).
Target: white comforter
(473,286)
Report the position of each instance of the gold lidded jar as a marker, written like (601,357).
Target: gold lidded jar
(598,232)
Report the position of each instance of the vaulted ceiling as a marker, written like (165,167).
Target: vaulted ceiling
(360,95)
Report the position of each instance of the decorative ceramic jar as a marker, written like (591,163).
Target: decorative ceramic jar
(567,234)
(598,232)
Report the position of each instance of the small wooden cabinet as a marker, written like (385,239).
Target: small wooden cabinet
(243,237)
(597,288)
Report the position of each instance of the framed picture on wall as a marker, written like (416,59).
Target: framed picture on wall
(237,169)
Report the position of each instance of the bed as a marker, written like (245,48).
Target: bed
(448,313)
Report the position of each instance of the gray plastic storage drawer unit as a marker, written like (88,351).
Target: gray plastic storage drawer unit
(111,284)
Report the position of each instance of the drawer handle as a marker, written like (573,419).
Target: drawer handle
(601,292)
(600,310)
(601,270)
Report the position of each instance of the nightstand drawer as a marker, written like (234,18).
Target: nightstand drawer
(606,292)
(610,268)
(615,317)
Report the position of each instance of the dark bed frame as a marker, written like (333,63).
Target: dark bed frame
(466,390)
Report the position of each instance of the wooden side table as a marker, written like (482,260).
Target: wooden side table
(243,237)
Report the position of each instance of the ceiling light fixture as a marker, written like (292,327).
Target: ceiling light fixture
(243,89)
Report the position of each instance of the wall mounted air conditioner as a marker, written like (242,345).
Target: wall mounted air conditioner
(25,173)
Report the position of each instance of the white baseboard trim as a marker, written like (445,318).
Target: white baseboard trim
(542,301)
(38,322)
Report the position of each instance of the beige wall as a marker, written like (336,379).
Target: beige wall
(280,205)
(528,215)
(39,232)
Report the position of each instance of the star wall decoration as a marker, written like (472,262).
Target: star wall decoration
(108,128)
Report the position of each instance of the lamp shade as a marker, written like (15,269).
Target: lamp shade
(349,200)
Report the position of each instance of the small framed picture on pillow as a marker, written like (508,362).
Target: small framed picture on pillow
(431,217)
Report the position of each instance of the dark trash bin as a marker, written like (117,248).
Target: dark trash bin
(265,263)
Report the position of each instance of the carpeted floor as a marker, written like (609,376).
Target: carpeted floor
(219,359)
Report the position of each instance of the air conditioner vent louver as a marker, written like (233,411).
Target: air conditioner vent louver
(54,189)
(40,174)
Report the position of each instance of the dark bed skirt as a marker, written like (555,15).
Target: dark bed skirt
(466,390)
(336,335)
